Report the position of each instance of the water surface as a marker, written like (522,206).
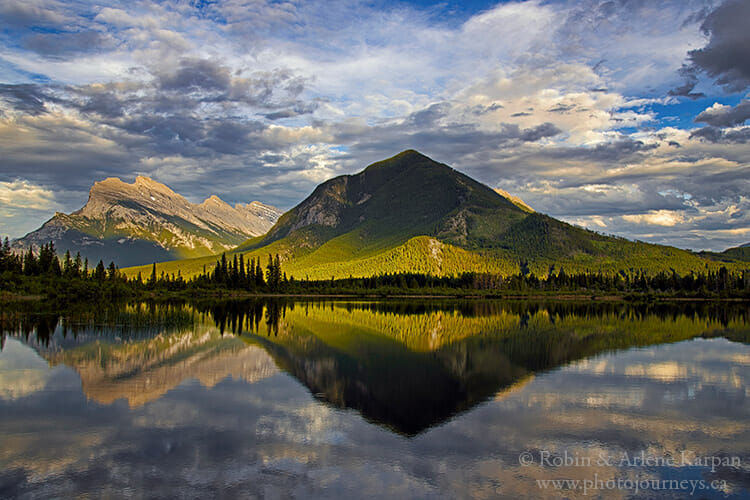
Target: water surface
(431,399)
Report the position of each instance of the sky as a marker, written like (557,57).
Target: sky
(628,117)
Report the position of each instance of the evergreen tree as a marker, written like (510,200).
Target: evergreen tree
(235,274)
(5,256)
(67,268)
(259,274)
(152,279)
(99,273)
(112,271)
(242,281)
(77,264)
(277,271)
(30,263)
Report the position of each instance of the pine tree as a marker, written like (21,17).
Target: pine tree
(5,256)
(112,271)
(258,274)
(99,272)
(235,275)
(152,279)
(67,265)
(30,263)
(269,273)
(77,265)
(277,272)
(224,270)
(242,278)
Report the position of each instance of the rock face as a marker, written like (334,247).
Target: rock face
(146,222)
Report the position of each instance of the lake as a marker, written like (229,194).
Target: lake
(375,399)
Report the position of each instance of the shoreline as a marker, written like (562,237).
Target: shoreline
(8,297)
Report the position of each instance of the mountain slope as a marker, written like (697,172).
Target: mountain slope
(147,222)
(734,254)
(393,200)
(412,214)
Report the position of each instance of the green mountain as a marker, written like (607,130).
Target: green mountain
(394,200)
(730,255)
(412,214)
(147,222)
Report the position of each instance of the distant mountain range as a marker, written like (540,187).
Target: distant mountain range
(145,222)
(412,214)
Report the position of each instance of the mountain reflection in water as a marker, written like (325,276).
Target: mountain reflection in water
(406,365)
(277,399)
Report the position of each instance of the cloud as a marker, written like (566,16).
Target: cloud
(739,135)
(58,45)
(262,100)
(539,132)
(690,75)
(23,194)
(26,97)
(33,13)
(656,217)
(20,202)
(196,75)
(720,115)
(726,57)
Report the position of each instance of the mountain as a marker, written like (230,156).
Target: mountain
(146,222)
(393,200)
(410,213)
(734,254)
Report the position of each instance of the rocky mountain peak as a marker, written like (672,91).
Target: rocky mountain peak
(214,201)
(148,214)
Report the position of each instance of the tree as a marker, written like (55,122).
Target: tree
(6,257)
(67,268)
(30,263)
(112,271)
(242,278)
(152,279)
(235,274)
(259,274)
(77,263)
(273,272)
(99,272)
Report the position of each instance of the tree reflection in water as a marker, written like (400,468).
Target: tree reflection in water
(407,365)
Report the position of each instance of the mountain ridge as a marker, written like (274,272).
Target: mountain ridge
(146,221)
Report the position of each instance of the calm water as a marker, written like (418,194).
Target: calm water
(430,399)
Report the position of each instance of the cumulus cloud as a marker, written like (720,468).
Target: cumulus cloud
(720,115)
(656,217)
(726,57)
(739,135)
(22,194)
